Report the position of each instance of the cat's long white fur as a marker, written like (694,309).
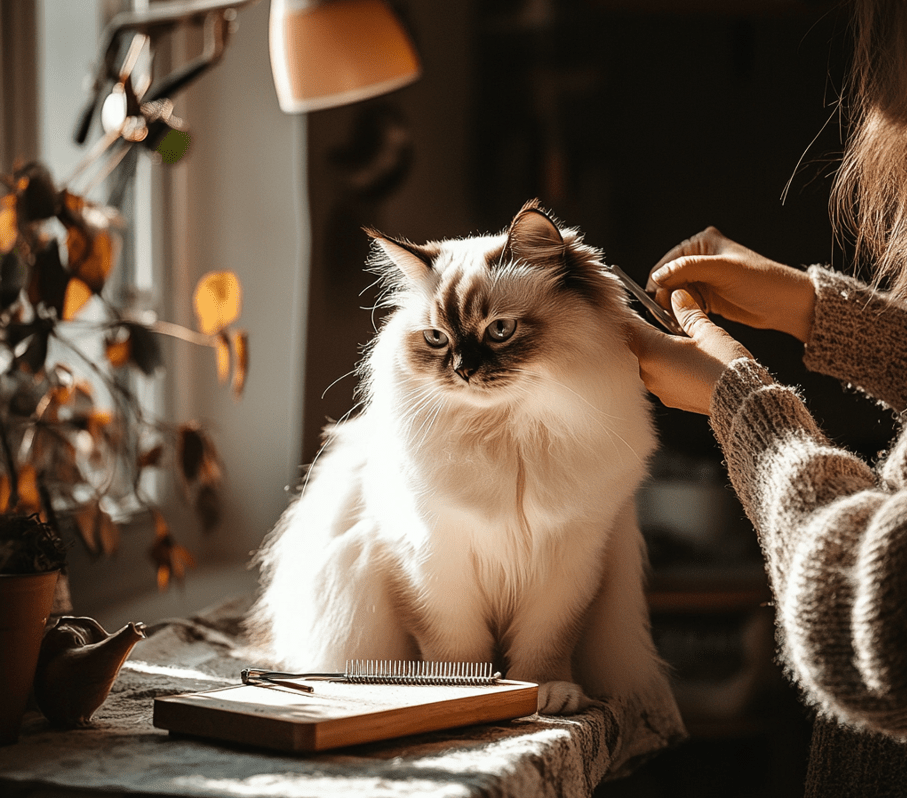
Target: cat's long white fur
(442,524)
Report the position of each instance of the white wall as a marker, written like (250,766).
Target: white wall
(241,206)
(68,31)
(237,202)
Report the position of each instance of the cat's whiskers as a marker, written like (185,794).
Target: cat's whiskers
(598,410)
(428,410)
(429,422)
(416,403)
(350,373)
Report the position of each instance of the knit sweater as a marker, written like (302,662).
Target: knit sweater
(834,534)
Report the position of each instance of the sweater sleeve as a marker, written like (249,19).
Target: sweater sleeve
(858,336)
(835,543)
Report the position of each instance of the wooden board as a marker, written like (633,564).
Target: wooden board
(337,713)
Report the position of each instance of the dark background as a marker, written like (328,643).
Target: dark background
(639,127)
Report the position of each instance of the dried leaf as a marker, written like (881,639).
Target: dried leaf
(108,533)
(38,198)
(76,297)
(9,230)
(191,451)
(99,423)
(222,353)
(98,530)
(72,207)
(240,361)
(48,278)
(151,457)
(31,351)
(85,523)
(217,301)
(117,352)
(91,255)
(210,473)
(29,495)
(13,276)
(170,557)
(144,349)
(161,527)
(77,244)
(136,344)
(207,507)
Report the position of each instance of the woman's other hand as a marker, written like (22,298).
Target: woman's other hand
(734,282)
(682,372)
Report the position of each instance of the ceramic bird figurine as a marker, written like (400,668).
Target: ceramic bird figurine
(77,666)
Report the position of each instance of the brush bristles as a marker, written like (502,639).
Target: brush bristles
(411,672)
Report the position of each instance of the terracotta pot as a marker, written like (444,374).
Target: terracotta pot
(25,604)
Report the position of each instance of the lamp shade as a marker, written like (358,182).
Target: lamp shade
(326,53)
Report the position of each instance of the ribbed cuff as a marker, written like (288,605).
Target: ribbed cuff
(859,336)
(742,378)
(839,319)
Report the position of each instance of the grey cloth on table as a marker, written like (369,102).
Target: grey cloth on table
(121,751)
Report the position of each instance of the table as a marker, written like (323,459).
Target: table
(122,753)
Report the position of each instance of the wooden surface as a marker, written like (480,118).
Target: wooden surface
(337,714)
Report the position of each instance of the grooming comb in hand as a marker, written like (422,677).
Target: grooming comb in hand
(662,316)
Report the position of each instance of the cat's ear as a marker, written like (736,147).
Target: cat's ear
(533,236)
(411,259)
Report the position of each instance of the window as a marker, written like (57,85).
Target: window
(237,202)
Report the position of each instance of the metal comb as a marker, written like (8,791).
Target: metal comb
(368,671)
(662,316)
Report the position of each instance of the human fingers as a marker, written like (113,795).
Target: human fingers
(715,342)
(706,242)
(642,337)
(710,270)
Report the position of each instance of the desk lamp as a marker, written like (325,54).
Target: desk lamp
(326,53)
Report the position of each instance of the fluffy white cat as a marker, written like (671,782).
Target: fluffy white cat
(481,506)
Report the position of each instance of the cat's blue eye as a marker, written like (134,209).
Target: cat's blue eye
(435,338)
(500,329)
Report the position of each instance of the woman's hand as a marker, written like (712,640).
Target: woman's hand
(734,282)
(682,372)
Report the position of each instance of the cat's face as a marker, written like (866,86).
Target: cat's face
(485,317)
(481,328)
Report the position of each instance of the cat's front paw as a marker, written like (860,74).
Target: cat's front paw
(562,698)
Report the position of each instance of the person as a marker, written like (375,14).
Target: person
(833,529)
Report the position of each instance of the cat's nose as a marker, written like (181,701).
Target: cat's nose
(465,366)
(465,372)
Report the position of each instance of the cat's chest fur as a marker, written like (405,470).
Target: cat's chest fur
(559,461)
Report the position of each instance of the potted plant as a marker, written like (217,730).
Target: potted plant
(31,558)
(75,439)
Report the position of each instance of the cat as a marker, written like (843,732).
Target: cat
(480,507)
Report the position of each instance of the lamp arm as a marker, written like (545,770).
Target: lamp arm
(160,18)
(217,34)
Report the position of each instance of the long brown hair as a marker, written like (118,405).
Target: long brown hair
(869,197)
